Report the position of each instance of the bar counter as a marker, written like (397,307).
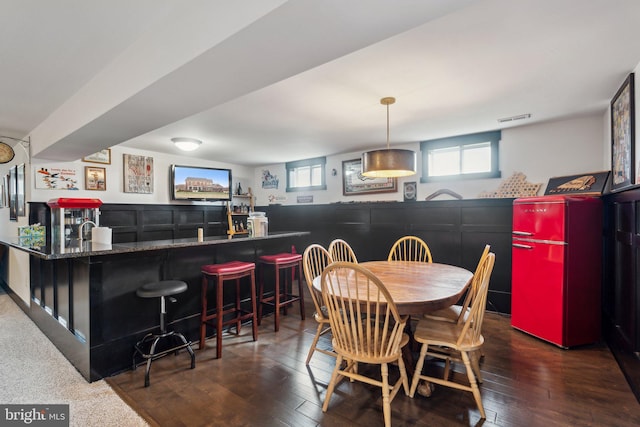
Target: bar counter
(84,297)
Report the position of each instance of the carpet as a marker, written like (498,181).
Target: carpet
(33,371)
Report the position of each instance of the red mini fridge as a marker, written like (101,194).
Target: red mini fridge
(556,268)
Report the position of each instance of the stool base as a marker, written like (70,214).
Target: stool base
(154,339)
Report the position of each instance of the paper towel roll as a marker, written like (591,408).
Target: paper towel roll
(101,235)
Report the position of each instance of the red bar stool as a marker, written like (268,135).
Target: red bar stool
(282,297)
(221,273)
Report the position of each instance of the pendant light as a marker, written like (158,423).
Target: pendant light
(388,163)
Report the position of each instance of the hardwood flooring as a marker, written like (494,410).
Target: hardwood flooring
(527,382)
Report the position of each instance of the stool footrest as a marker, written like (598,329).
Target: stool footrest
(152,355)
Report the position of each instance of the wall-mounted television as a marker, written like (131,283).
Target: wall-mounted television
(200,183)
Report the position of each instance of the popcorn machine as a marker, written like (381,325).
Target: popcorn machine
(71,219)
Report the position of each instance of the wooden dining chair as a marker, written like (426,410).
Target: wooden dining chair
(341,251)
(459,313)
(314,260)
(366,327)
(461,338)
(410,248)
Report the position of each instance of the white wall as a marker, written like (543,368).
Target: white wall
(114,192)
(540,151)
(18,277)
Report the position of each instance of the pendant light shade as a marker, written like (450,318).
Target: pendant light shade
(388,163)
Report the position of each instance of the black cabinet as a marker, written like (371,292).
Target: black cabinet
(456,232)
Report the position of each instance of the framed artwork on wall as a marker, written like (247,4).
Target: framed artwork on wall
(102,156)
(354,183)
(95,178)
(13,196)
(20,190)
(56,178)
(138,174)
(5,191)
(622,136)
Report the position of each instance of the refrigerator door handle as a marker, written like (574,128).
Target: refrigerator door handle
(521,246)
(522,233)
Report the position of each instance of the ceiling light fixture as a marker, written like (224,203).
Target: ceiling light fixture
(186,144)
(388,163)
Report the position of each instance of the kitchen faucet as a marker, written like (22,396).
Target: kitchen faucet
(81,227)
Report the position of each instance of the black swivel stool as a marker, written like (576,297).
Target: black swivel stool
(165,288)
(220,273)
(283,295)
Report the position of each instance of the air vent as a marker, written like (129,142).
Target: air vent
(514,118)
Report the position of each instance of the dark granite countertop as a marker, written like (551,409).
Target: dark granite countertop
(88,248)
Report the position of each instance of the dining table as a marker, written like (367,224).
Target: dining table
(418,288)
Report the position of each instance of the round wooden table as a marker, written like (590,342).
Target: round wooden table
(418,287)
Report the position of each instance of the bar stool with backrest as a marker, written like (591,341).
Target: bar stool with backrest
(283,295)
(162,289)
(219,274)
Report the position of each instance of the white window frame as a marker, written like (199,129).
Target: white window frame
(309,164)
(461,142)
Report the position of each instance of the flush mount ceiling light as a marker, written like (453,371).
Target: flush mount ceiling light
(186,144)
(388,163)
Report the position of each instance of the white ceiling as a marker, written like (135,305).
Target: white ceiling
(269,81)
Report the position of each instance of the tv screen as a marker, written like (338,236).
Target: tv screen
(200,183)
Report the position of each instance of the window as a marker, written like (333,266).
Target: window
(473,156)
(306,174)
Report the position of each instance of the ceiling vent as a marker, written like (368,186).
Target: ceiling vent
(514,118)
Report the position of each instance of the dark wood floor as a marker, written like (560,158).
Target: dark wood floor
(527,382)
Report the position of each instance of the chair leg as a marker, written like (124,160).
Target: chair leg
(188,347)
(203,315)
(254,317)
(314,343)
(260,293)
(219,307)
(300,290)
(403,375)
(276,308)
(332,383)
(474,385)
(418,371)
(238,307)
(386,402)
(149,360)
(475,363)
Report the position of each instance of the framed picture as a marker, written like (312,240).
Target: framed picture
(138,174)
(13,195)
(95,178)
(5,191)
(56,178)
(354,183)
(20,190)
(410,191)
(102,156)
(622,137)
